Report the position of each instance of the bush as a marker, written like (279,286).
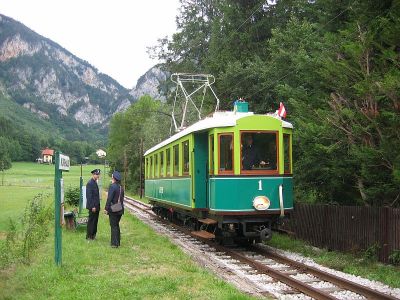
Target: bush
(371,253)
(26,234)
(72,196)
(394,258)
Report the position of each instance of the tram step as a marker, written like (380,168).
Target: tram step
(207,221)
(203,234)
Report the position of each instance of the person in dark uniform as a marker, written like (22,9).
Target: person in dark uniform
(93,204)
(250,155)
(115,194)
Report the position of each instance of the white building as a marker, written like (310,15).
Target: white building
(101,153)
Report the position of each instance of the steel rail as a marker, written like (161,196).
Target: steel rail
(304,288)
(341,282)
(287,279)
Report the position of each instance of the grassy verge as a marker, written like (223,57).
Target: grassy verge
(146,266)
(137,197)
(360,265)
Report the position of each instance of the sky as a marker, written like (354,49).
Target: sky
(113,36)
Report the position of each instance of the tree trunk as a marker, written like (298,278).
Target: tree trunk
(360,185)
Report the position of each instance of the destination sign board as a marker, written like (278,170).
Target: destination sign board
(64,163)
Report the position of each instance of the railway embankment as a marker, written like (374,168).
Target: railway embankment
(266,271)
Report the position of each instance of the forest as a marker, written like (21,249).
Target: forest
(333,63)
(23,136)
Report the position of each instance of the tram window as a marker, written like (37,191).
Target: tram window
(147,167)
(225,153)
(168,161)
(259,151)
(176,160)
(185,148)
(161,172)
(151,167)
(211,154)
(156,165)
(286,153)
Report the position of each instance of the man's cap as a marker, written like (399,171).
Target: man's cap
(116,175)
(96,172)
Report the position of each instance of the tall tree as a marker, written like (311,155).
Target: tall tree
(145,121)
(5,161)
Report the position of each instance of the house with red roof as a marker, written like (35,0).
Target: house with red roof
(47,155)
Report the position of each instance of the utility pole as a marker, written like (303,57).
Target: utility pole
(125,166)
(141,168)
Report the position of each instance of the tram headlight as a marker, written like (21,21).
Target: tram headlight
(261,203)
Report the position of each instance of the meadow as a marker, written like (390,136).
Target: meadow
(25,180)
(146,266)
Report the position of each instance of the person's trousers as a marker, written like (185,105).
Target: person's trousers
(92,225)
(115,232)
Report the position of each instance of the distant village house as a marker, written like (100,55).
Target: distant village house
(101,153)
(47,156)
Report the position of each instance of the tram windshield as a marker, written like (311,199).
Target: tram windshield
(259,151)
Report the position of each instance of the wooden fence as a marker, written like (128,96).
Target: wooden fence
(347,228)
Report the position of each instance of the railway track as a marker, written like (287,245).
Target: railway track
(269,272)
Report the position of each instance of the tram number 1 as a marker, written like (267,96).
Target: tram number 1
(260,185)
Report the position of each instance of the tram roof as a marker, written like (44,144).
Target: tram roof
(217,119)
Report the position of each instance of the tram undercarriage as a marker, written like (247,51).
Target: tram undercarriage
(225,229)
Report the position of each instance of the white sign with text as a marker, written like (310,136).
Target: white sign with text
(64,163)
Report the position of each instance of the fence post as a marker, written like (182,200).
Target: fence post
(384,234)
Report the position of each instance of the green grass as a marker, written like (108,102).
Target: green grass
(349,263)
(24,180)
(137,197)
(146,266)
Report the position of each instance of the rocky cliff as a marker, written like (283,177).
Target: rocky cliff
(152,83)
(51,82)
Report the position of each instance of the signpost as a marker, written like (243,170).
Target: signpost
(82,218)
(62,164)
(102,154)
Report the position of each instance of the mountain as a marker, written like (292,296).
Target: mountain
(152,83)
(54,84)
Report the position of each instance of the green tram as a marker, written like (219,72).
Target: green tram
(228,176)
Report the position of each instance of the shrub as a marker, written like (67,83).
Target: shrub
(26,234)
(72,196)
(371,253)
(394,258)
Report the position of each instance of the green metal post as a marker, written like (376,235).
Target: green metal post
(57,212)
(80,193)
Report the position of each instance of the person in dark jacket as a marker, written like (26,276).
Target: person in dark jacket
(115,194)
(93,204)
(250,155)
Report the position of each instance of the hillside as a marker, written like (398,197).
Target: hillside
(23,118)
(55,85)
(152,83)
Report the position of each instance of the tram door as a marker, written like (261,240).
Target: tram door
(200,169)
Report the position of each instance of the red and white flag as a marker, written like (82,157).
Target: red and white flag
(282,110)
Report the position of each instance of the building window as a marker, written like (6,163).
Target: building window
(211,154)
(168,161)
(161,172)
(225,153)
(287,154)
(185,161)
(176,160)
(259,152)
